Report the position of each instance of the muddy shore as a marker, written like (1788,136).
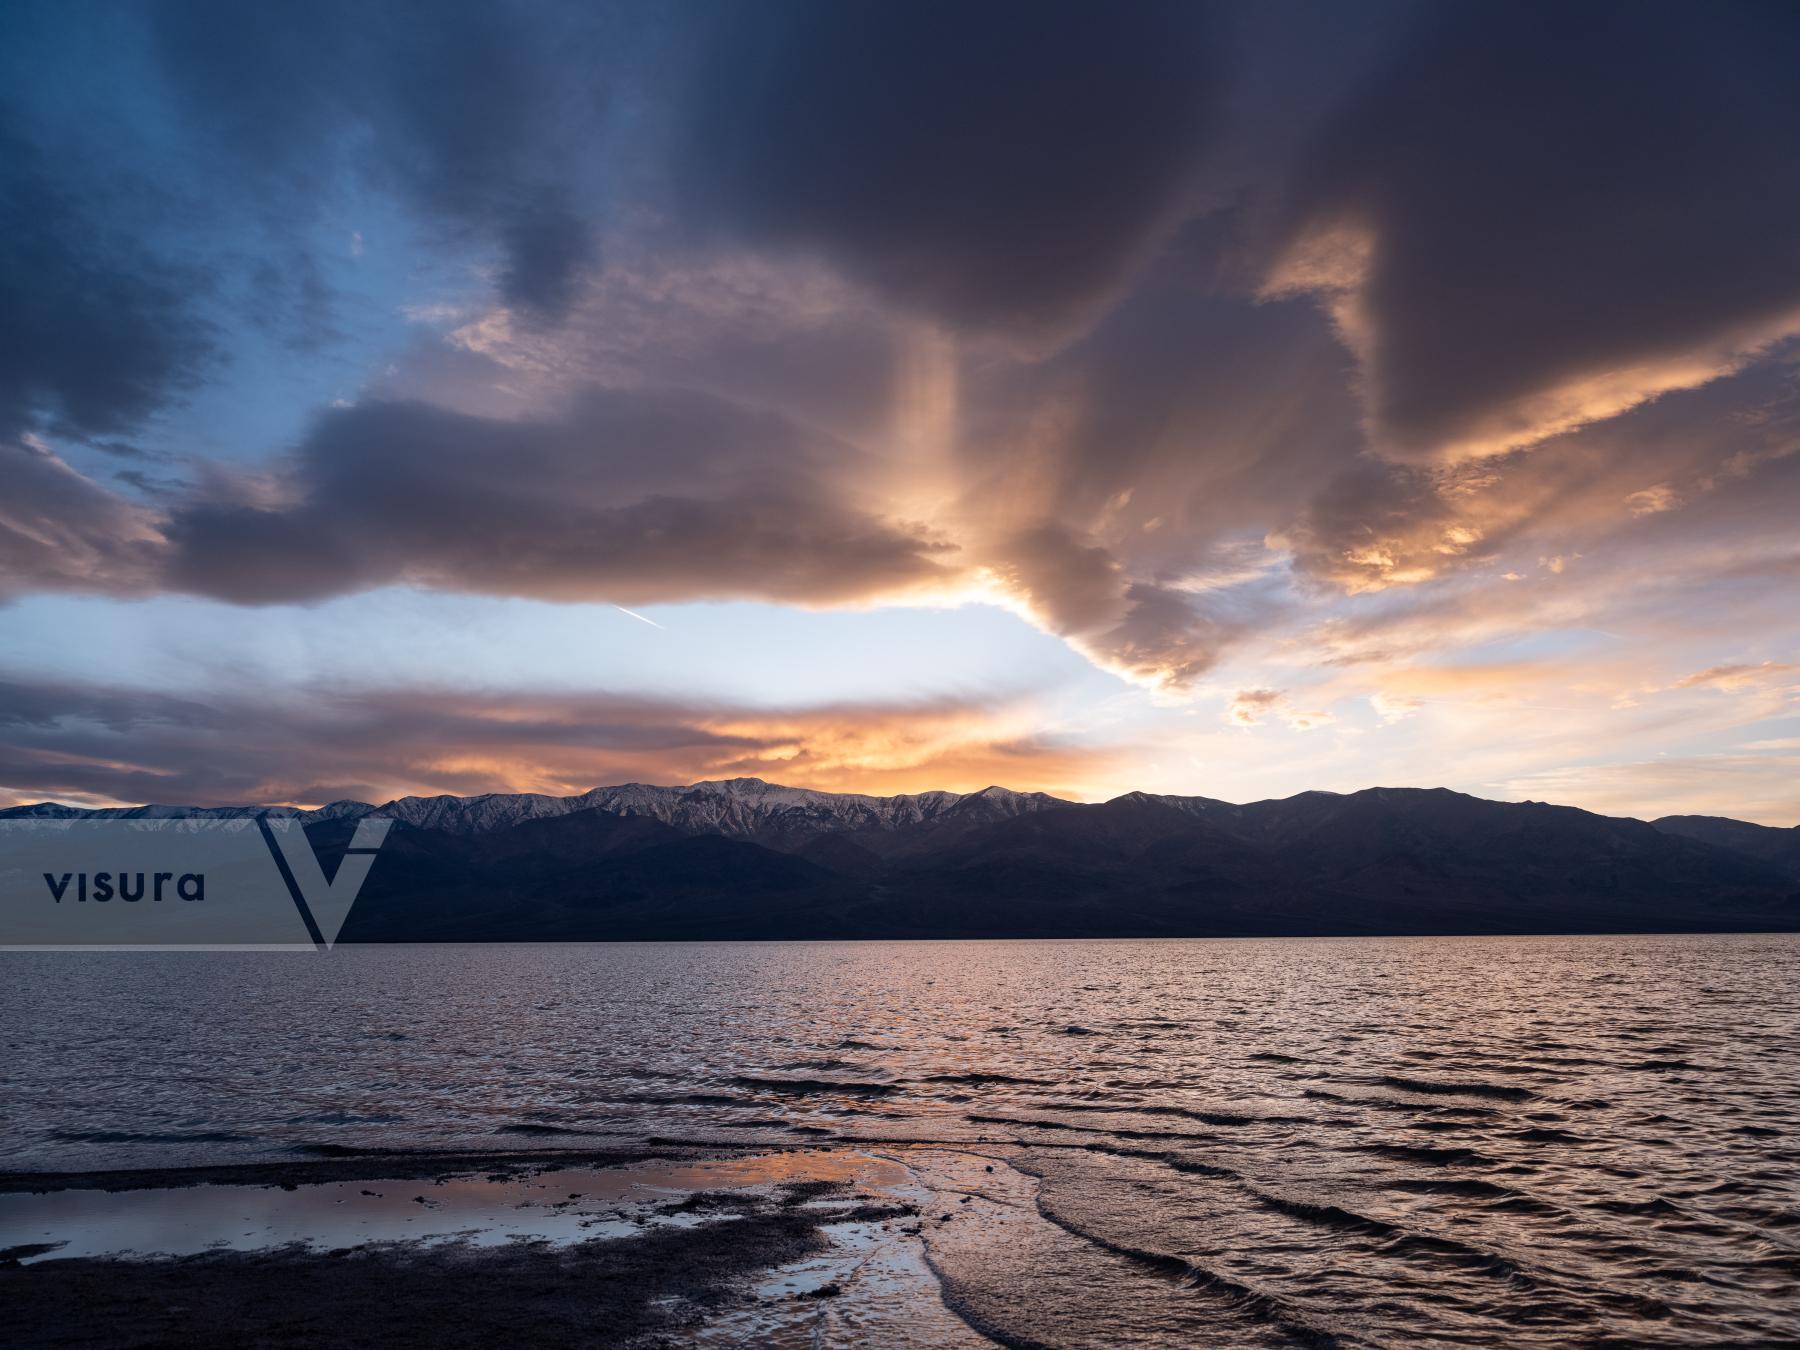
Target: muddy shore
(325,1164)
(658,1246)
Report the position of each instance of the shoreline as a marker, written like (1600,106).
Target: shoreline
(651,1246)
(330,1163)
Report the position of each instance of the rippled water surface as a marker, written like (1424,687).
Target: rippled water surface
(1509,1139)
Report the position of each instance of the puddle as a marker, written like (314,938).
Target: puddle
(559,1206)
(873,1284)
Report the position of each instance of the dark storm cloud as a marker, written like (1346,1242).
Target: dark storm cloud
(636,496)
(998,165)
(547,245)
(129,246)
(479,113)
(633,496)
(95,332)
(1542,215)
(1188,409)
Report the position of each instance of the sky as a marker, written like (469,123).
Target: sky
(1229,400)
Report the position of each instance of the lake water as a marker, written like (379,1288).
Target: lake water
(1507,1139)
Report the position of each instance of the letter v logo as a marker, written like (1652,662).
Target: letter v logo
(325,904)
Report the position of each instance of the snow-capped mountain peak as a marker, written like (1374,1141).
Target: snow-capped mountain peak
(743,808)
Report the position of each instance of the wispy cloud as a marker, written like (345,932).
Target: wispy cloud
(1738,675)
(316,743)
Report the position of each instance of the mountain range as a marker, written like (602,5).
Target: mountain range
(741,858)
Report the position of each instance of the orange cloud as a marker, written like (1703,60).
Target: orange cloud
(1737,676)
(309,746)
(1653,500)
(1248,707)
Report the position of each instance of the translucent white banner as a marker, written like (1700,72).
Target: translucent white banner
(242,882)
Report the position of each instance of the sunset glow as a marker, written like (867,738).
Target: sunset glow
(1216,450)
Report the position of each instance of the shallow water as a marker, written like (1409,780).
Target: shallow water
(1518,1139)
(558,1205)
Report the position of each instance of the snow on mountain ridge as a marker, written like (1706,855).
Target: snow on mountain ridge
(744,808)
(738,807)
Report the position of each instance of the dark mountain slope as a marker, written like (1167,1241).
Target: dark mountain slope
(743,858)
(1765,843)
(584,877)
(1385,860)
(1426,841)
(1076,870)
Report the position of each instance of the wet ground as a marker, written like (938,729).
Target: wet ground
(820,1247)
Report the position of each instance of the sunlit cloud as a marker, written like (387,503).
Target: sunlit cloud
(1653,500)
(1365,426)
(1309,721)
(1478,277)
(1248,707)
(1740,675)
(311,745)
(1391,708)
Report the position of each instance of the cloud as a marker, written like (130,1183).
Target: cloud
(1151,634)
(1741,675)
(633,496)
(1653,500)
(1309,721)
(1163,638)
(684,338)
(1391,708)
(784,335)
(1531,222)
(314,744)
(1248,707)
(999,166)
(636,496)
(482,117)
(1377,526)
(547,248)
(97,332)
(1251,707)
(61,531)
(1184,417)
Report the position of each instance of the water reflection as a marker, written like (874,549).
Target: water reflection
(1586,1136)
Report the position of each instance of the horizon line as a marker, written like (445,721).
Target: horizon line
(826,792)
